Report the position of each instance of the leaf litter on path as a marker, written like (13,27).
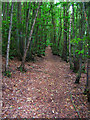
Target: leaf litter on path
(43,91)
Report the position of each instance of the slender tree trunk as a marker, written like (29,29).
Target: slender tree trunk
(75,60)
(88,78)
(27,22)
(86,18)
(87,88)
(8,10)
(64,54)
(21,29)
(70,58)
(80,69)
(53,22)
(40,30)
(25,53)
(18,30)
(36,37)
(20,23)
(33,29)
(9,35)
(60,32)
(4,11)
(80,48)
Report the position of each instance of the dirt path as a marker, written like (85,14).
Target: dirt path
(44,91)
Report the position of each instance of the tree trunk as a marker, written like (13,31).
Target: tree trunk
(88,79)
(80,47)
(33,29)
(40,30)
(27,22)
(25,53)
(75,60)
(18,30)
(9,35)
(4,11)
(70,58)
(60,32)
(7,10)
(53,22)
(87,88)
(80,70)
(86,18)
(64,54)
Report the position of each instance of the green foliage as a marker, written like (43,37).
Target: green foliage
(55,50)
(77,43)
(21,69)
(83,69)
(80,51)
(86,91)
(7,73)
(48,30)
(72,68)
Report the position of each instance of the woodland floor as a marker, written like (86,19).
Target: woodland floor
(44,91)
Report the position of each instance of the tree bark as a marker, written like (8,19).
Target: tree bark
(4,11)
(64,54)
(18,30)
(86,18)
(60,32)
(9,35)
(53,22)
(87,88)
(80,47)
(70,58)
(27,22)
(7,10)
(25,53)
(75,60)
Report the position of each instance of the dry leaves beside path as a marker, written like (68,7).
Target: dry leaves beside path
(44,91)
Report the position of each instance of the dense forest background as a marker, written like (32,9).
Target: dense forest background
(29,27)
